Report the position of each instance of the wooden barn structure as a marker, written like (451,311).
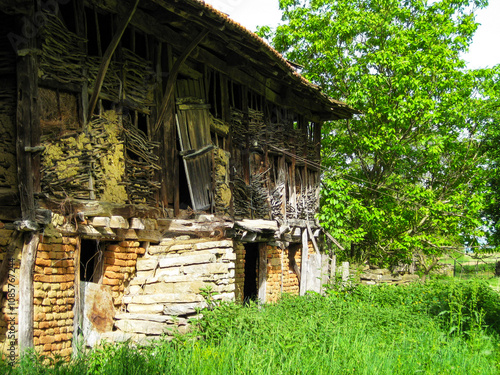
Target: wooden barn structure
(148,149)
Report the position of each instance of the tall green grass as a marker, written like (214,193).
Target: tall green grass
(434,328)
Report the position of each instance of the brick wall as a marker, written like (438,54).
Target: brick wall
(54,295)
(240,251)
(282,282)
(119,266)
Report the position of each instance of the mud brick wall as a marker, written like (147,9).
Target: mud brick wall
(281,276)
(54,295)
(240,252)
(119,266)
(9,301)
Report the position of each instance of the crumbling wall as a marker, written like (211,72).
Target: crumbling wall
(54,294)
(69,162)
(282,272)
(240,252)
(119,267)
(222,189)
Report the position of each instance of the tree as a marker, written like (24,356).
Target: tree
(404,178)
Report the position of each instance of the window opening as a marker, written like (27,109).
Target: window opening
(91,261)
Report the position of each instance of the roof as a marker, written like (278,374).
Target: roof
(231,48)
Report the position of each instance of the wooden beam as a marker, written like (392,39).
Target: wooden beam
(27,121)
(172,77)
(106,59)
(26,291)
(77,308)
(330,237)
(311,235)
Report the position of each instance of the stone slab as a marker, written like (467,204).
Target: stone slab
(162,298)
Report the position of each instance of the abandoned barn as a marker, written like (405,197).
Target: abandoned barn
(149,150)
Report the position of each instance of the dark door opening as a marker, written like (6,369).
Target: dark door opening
(251,286)
(91,261)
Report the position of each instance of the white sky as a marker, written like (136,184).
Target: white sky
(484,51)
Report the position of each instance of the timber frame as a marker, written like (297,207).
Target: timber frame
(126,125)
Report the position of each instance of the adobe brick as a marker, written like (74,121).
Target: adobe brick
(43,262)
(107,281)
(129,244)
(114,248)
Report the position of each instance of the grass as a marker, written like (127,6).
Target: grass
(444,327)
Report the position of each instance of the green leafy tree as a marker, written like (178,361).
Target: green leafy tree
(404,179)
(492,146)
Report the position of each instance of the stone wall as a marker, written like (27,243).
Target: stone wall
(54,294)
(171,274)
(372,276)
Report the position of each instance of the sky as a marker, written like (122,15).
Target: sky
(484,51)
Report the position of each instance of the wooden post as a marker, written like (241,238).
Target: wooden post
(333,268)
(325,260)
(303,265)
(28,131)
(262,273)
(345,273)
(26,291)
(77,308)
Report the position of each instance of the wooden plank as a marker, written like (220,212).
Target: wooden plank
(325,261)
(330,237)
(106,59)
(333,269)
(262,273)
(182,140)
(26,291)
(303,264)
(311,235)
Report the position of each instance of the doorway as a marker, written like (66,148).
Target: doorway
(251,286)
